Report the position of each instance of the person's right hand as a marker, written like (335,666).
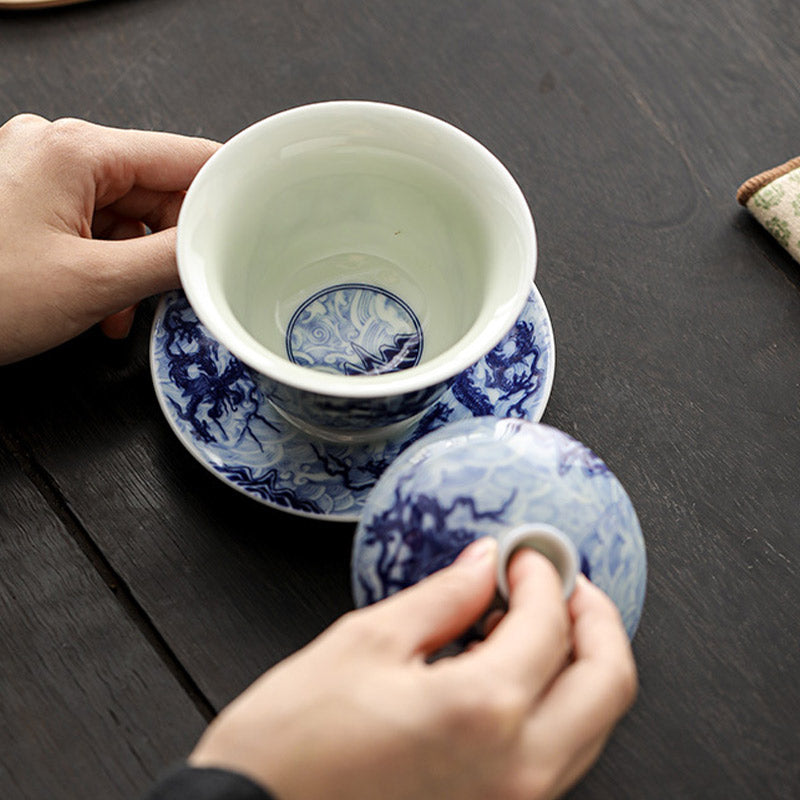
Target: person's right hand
(361,713)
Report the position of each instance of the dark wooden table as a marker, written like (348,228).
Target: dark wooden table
(138,594)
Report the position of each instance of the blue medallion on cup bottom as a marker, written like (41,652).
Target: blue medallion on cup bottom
(354,329)
(485,476)
(221,416)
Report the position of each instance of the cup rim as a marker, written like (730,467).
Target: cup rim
(454,360)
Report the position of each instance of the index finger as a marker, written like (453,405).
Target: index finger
(164,162)
(118,158)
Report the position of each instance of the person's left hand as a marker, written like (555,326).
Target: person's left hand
(76,200)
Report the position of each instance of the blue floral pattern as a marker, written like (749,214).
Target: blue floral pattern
(482,477)
(221,416)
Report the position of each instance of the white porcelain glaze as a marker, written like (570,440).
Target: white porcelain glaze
(546,539)
(365,194)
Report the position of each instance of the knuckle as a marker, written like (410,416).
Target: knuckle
(23,121)
(68,136)
(555,626)
(533,782)
(68,127)
(627,681)
(362,628)
(19,129)
(621,684)
(607,607)
(494,715)
(346,625)
(450,587)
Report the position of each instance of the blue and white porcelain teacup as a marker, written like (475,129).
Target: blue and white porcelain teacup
(357,257)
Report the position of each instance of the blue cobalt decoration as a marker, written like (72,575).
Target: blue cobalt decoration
(222,417)
(328,413)
(355,329)
(485,476)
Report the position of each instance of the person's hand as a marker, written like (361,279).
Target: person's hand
(74,202)
(362,712)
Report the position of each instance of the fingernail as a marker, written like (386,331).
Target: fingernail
(478,551)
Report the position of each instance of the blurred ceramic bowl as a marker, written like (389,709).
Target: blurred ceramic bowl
(510,479)
(357,257)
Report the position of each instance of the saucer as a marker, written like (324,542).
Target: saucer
(220,416)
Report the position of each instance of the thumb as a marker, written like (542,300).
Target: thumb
(129,270)
(429,615)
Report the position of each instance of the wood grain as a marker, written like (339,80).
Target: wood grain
(176,534)
(88,708)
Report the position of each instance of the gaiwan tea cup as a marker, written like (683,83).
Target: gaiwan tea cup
(357,257)
(526,484)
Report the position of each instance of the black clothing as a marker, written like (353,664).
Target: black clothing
(195,783)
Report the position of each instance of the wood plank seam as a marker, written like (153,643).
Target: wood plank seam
(50,493)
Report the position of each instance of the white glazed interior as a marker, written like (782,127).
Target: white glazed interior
(356,192)
(548,540)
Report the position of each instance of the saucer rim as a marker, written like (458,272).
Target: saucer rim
(207,464)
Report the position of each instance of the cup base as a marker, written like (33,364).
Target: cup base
(349,435)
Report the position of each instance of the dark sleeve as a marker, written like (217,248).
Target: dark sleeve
(196,783)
